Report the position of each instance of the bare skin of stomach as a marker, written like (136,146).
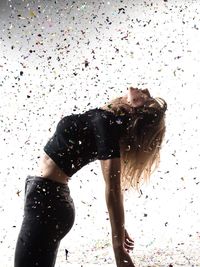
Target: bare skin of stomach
(48,169)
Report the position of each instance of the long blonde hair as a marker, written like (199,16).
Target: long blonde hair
(140,146)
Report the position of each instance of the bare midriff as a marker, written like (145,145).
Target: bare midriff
(49,170)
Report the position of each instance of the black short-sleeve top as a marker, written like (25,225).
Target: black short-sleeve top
(83,138)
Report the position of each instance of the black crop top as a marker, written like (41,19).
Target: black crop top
(83,138)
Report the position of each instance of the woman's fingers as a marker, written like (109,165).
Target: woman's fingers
(129,242)
(128,245)
(127,236)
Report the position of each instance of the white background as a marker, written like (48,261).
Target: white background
(149,44)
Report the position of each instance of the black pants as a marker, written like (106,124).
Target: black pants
(48,216)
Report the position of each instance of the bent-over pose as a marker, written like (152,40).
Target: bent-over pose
(126,136)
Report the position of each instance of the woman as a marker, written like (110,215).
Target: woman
(125,135)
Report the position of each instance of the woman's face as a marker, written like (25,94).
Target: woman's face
(137,97)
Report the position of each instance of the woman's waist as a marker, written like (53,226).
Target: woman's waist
(48,169)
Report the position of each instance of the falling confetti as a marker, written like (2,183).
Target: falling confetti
(32,14)
(63,57)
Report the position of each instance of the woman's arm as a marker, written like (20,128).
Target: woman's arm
(114,201)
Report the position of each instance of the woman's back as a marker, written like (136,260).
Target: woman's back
(83,138)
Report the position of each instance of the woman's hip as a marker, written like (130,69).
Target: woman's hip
(48,203)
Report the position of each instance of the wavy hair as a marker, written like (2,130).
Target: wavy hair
(140,145)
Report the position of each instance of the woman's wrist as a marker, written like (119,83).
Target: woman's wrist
(118,252)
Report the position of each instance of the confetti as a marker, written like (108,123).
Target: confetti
(62,57)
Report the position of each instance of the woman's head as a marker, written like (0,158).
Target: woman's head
(137,97)
(141,143)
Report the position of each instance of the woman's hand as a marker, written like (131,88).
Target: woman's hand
(122,254)
(128,242)
(122,258)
